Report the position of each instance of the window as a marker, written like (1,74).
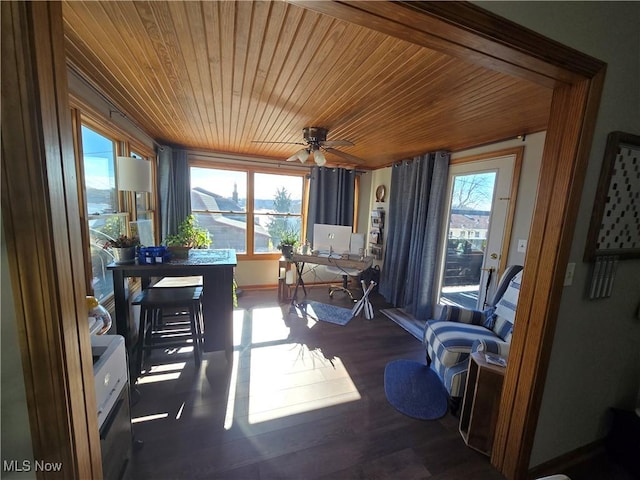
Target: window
(219,200)
(108,212)
(248,219)
(104,221)
(277,208)
(144,213)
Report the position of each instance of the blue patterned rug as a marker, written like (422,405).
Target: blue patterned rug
(415,390)
(324,312)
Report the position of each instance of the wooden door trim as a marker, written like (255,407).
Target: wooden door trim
(458,29)
(470,33)
(518,154)
(42,232)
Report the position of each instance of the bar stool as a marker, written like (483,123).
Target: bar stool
(170,317)
(192,281)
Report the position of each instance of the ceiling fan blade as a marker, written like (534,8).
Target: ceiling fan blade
(336,143)
(287,143)
(346,156)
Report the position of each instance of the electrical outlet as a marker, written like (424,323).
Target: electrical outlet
(522,246)
(568,275)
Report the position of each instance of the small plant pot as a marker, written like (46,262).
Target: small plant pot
(287,251)
(124,255)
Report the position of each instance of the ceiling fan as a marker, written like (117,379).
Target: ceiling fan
(315,141)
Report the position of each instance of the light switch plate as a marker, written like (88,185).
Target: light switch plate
(522,246)
(568,276)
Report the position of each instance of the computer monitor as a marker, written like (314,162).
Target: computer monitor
(334,238)
(357,244)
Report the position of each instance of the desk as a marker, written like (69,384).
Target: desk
(351,261)
(216,268)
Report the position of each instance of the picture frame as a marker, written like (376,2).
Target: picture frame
(614,229)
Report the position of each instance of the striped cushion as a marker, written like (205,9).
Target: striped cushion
(506,309)
(455,378)
(489,317)
(491,346)
(451,342)
(453,313)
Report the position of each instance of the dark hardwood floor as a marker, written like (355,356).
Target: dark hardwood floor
(300,401)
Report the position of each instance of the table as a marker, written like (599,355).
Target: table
(216,268)
(346,261)
(481,403)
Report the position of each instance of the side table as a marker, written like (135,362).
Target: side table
(480,403)
(284,266)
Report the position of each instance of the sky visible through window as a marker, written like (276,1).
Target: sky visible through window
(98,160)
(222,183)
(473,191)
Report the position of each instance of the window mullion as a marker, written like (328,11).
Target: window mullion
(250,213)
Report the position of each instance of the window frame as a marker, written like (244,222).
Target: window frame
(84,115)
(251,170)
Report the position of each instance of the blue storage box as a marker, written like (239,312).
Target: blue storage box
(151,255)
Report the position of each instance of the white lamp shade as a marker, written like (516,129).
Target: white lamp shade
(318,156)
(134,174)
(303,155)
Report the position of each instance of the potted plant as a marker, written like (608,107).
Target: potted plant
(123,248)
(190,235)
(288,240)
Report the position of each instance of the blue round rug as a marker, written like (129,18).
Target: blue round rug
(415,390)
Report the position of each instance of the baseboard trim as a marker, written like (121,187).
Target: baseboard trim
(568,460)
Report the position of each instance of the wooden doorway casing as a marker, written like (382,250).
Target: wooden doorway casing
(470,33)
(40,214)
(58,357)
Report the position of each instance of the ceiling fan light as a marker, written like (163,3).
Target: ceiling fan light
(318,156)
(303,155)
(293,157)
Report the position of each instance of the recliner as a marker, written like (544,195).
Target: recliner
(459,332)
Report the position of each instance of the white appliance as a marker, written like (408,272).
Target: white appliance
(109,370)
(112,398)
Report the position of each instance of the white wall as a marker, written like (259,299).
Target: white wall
(16,433)
(595,360)
(373,179)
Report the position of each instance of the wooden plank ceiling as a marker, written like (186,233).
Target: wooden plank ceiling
(218,75)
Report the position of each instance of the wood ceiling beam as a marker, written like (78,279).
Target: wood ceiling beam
(454,28)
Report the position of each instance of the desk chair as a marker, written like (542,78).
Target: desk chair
(356,247)
(170,317)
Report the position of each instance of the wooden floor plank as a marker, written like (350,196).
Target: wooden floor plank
(308,402)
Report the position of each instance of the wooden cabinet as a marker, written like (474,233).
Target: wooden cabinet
(480,403)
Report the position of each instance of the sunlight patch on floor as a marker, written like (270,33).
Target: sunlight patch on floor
(167,367)
(238,321)
(290,379)
(233,386)
(162,373)
(161,377)
(268,325)
(148,418)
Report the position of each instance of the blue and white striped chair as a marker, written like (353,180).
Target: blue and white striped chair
(460,331)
